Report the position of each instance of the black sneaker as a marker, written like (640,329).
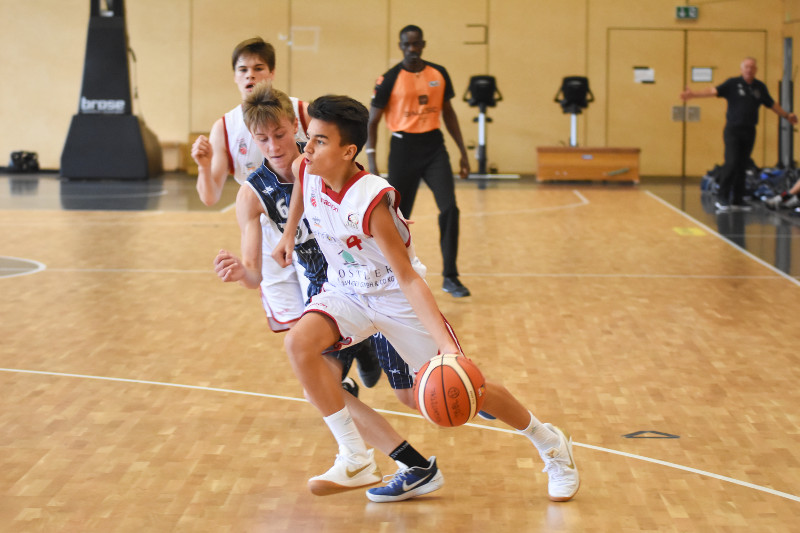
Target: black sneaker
(369,368)
(452,285)
(350,386)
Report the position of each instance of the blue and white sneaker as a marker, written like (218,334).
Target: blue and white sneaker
(407,483)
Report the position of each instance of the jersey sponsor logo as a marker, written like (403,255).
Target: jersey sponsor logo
(317,222)
(424,111)
(242,146)
(327,203)
(352,220)
(361,276)
(313,200)
(326,236)
(349,260)
(433,83)
(267,190)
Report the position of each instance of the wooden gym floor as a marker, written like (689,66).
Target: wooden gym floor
(139,393)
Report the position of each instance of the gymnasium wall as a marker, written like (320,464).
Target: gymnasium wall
(184,78)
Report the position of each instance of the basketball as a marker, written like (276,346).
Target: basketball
(449,390)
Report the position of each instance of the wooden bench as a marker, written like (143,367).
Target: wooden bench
(575,163)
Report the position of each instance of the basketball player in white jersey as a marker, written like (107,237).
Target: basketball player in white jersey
(269,114)
(230,149)
(375,283)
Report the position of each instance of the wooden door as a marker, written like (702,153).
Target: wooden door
(645,74)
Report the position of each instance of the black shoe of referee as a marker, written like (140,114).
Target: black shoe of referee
(454,286)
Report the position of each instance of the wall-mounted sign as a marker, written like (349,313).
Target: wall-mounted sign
(702,74)
(644,75)
(686,12)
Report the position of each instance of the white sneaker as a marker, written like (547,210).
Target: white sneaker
(560,467)
(348,472)
(792,202)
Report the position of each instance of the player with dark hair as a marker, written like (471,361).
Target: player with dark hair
(269,115)
(376,284)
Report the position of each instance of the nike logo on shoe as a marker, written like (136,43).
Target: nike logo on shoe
(353,473)
(407,487)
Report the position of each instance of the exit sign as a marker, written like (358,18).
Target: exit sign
(686,12)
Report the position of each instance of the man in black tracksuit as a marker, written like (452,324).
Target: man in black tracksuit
(744,95)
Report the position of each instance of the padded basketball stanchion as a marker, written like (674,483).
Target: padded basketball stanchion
(482,93)
(574,96)
(105,139)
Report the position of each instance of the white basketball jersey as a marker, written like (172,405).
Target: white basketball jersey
(243,153)
(341,223)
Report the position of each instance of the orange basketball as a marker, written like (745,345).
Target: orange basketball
(449,390)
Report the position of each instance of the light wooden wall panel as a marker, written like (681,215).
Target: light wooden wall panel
(185,81)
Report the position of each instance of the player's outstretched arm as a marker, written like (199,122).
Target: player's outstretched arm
(247,270)
(211,157)
(791,117)
(708,92)
(382,228)
(282,253)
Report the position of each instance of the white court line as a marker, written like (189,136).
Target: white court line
(742,250)
(19,271)
(228,207)
(410,415)
(582,202)
(584,275)
(133,270)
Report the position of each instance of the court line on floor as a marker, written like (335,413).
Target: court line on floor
(14,272)
(411,415)
(716,234)
(583,201)
(589,275)
(463,274)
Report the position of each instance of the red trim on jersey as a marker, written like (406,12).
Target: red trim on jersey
(339,196)
(452,333)
(274,324)
(231,168)
(372,205)
(302,117)
(339,344)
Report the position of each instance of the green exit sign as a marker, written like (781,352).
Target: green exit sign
(686,12)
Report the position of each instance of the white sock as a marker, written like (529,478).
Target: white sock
(539,435)
(345,432)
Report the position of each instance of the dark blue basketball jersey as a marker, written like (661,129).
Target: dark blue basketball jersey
(275,197)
